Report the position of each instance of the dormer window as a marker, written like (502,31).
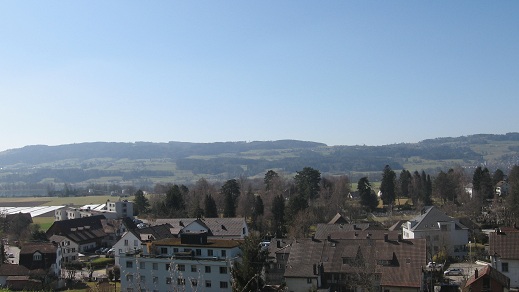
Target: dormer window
(37,257)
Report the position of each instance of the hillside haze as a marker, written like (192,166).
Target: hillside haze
(146,163)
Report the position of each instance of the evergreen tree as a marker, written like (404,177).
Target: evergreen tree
(3,254)
(247,272)
(368,198)
(210,210)
(497,177)
(259,208)
(278,216)
(387,186)
(141,203)
(405,180)
(428,191)
(231,192)
(307,182)
(270,177)
(175,204)
(513,195)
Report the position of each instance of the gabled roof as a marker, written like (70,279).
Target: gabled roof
(429,218)
(65,227)
(42,247)
(218,227)
(398,262)
(13,270)
(323,230)
(338,219)
(504,244)
(488,271)
(154,232)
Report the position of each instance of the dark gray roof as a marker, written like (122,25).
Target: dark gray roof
(429,218)
(154,232)
(219,227)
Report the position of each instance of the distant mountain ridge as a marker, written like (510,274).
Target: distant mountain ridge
(183,162)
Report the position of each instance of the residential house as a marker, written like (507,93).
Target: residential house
(279,252)
(7,270)
(111,210)
(487,279)
(504,253)
(501,189)
(133,238)
(390,264)
(189,263)
(69,248)
(224,228)
(87,232)
(41,256)
(441,231)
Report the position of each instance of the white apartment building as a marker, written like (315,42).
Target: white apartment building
(190,263)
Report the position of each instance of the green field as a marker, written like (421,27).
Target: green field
(57,201)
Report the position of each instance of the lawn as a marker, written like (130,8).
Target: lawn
(44,222)
(57,201)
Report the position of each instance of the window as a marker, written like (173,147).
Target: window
(210,252)
(181,281)
(129,264)
(279,266)
(135,242)
(243,230)
(129,289)
(208,283)
(168,280)
(163,250)
(504,267)
(155,266)
(168,267)
(198,252)
(193,268)
(175,250)
(181,268)
(120,251)
(129,278)
(143,279)
(224,285)
(126,242)
(224,253)
(208,269)
(194,282)
(73,249)
(142,265)
(223,270)
(155,280)
(36,257)
(309,280)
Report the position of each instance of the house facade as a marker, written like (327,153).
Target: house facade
(504,254)
(192,262)
(42,256)
(440,231)
(487,279)
(69,248)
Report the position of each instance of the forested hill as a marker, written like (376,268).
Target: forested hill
(181,162)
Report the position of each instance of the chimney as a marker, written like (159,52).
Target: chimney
(476,274)
(386,237)
(329,237)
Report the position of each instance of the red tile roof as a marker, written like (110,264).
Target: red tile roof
(504,244)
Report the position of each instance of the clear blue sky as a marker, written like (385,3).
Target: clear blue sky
(337,72)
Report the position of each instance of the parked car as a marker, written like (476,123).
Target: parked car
(453,272)
(435,266)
